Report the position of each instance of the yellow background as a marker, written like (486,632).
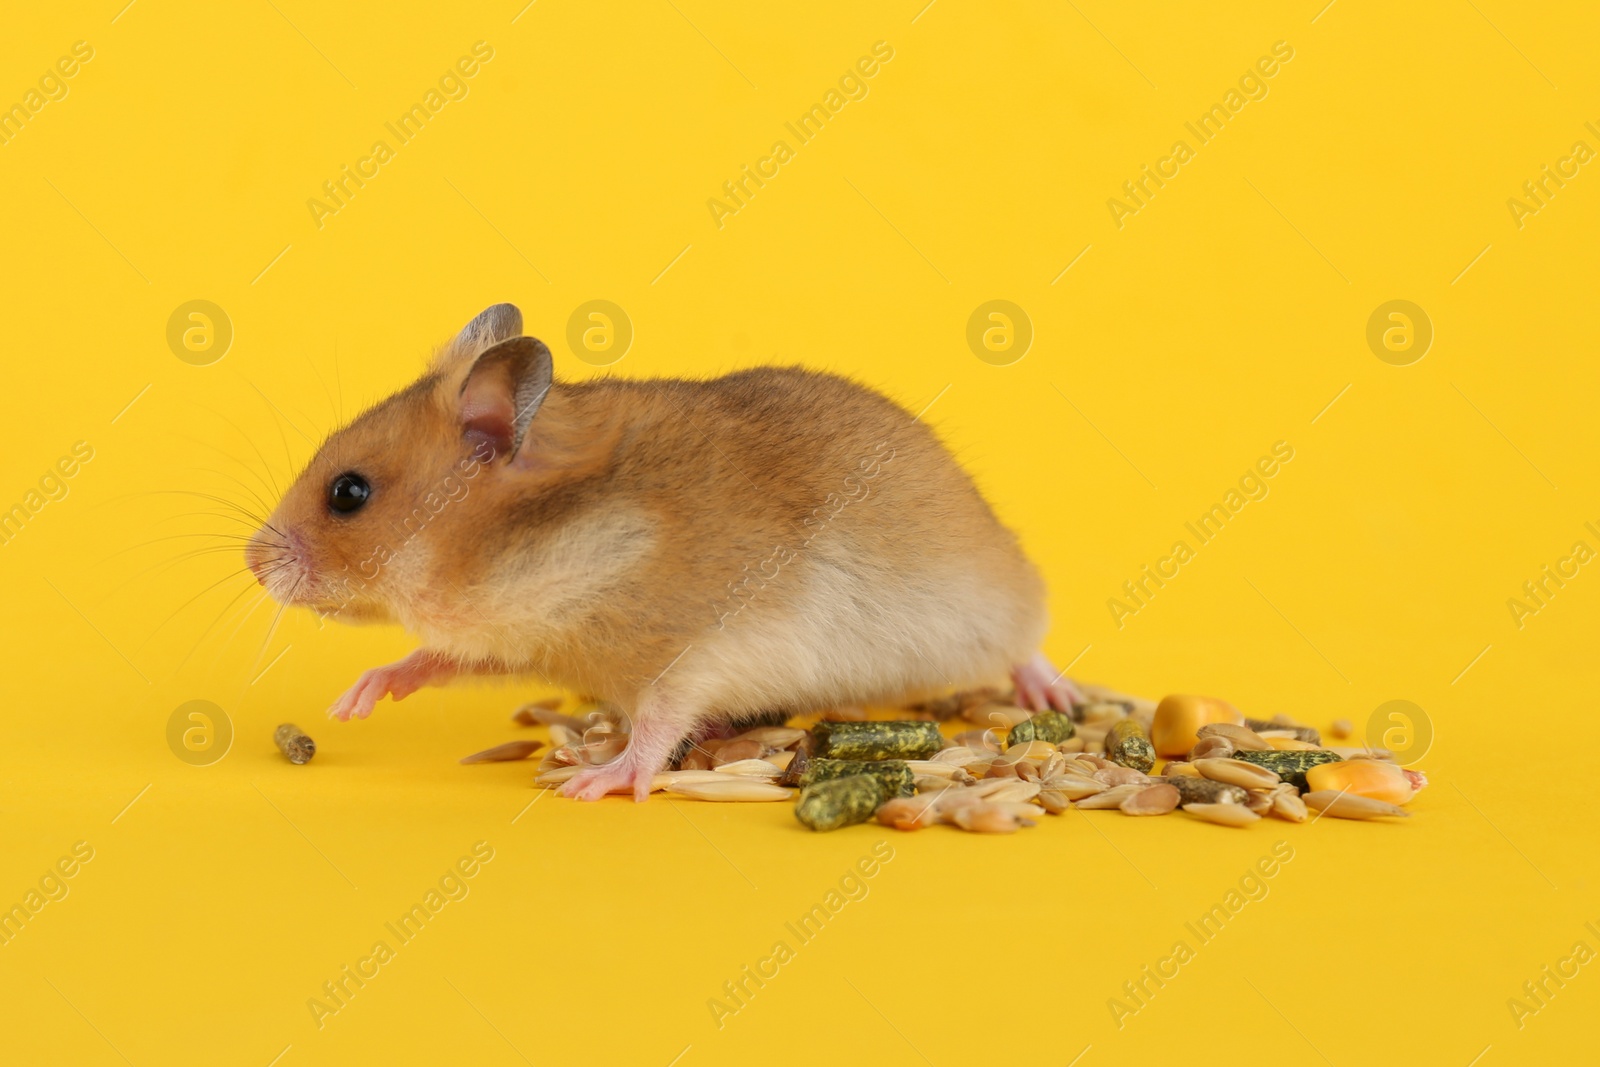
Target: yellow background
(1223,317)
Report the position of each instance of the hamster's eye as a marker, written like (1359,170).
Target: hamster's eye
(348,492)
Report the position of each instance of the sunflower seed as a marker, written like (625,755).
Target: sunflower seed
(696,759)
(910,813)
(1237,772)
(1114,775)
(998,769)
(750,768)
(960,756)
(558,776)
(1283,726)
(988,819)
(1053,800)
(1214,747)
(608,748)
(1287,805)
(1152,800)
(772,736)
(528,714)
(735,751)
(1110,798)
(1004,789)
(1223,814)
(663,777)
(511,750)
(735,789)
(1032,750)
(1241,737)
(1074,786)
(566,756)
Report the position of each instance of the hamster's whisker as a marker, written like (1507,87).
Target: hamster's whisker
(224,515)
(261,595)
(162,566)
(221,501)
(269,479)
(272,629)
(255,497)
(230,576)
(325,390)
(278,419)
(241,538)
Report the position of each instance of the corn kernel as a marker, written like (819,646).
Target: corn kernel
(1375,779)
(1179,717)
(1290,744)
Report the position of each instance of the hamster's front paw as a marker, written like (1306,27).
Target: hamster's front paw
(361,698)
(398,680)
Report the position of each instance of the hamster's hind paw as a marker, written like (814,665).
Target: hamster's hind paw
(1041,686)
(621,775)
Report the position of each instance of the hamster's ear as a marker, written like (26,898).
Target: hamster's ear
(503,391)
(493,325)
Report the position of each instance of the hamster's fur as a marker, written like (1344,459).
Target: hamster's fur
(697,552)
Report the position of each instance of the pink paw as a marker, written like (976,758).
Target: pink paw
(1040,686)
(621,775)
(361,698)
(397,680)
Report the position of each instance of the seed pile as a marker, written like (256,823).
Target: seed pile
(1191,754)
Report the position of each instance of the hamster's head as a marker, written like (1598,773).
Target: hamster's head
(358,535)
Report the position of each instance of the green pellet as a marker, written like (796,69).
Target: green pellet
(894,774)
(1127,745)
(1192,790)
(875,740)
(1289,766)
(839,802)
(1301,733)
(1051,726)
(293,743)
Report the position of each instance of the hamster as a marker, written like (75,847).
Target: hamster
(699,553)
